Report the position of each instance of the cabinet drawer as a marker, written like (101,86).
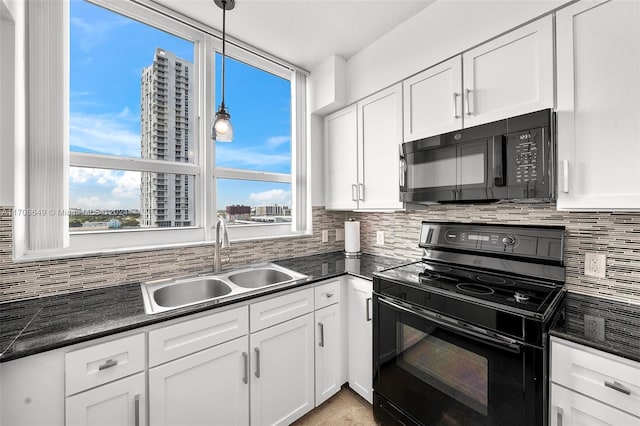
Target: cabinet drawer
(102,363)
(602,376)
(184,338)
(570,408)
(279,309)
(327,294)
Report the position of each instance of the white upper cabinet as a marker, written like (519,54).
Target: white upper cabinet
(508,76)
(379,138)
(598,113)
(362,153)
(433,100)
(511,75)
(341,159)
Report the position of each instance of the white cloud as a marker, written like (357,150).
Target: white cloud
(276,141)
(91,35)
(115,134)
(109,189)
(95,202)
(249,158)
(273,196)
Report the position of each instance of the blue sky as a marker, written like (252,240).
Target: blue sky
(108,53)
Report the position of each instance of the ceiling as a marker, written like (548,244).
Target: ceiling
(304,32)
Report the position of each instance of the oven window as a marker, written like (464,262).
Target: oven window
(455,371)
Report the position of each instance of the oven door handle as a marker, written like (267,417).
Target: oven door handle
(494,340)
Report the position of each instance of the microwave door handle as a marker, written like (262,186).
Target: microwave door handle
(498,161)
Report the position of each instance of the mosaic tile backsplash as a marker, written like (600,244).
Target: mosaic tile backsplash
(615,234)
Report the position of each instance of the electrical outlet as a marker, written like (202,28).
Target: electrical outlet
(340,234)
(325,235)
(594,327)
(595,265)
(380,238)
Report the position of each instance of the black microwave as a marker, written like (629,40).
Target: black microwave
(506,160)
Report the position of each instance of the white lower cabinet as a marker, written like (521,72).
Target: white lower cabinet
(360,337)
(207,387)
(591,387)
(328,349)
(122,402)
(282,372)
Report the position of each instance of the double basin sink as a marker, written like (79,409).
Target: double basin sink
(163,295)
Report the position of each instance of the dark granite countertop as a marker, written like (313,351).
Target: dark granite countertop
(32,326)
(621,324)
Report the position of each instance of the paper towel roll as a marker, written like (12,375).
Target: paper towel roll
(352,236)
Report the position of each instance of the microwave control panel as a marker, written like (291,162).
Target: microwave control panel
(526,147)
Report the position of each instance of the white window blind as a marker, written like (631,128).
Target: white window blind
(47,144)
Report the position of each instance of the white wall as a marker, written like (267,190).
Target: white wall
(316,152)
(438,32)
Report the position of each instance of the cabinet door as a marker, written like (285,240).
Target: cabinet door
(119,403)
(328,352)
(282,372)
(569,408)
(510,75)
(360,337)
(207,387)
(379,139)
(598,112)
(341,159)
(433,101)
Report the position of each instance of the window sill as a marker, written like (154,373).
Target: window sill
(71,253)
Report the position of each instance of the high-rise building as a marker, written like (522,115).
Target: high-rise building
(167,126)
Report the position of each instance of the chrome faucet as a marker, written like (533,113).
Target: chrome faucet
(217,262)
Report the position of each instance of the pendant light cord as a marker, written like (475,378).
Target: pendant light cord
(224,32)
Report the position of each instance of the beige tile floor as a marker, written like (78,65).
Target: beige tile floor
(344,408)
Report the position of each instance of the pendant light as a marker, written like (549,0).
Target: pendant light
(221,129)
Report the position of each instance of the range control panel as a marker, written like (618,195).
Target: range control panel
(528,241)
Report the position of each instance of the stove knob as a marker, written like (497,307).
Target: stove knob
(509,240)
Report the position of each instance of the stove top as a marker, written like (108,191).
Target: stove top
(523,296)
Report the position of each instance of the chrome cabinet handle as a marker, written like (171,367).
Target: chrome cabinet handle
(108,364)
(565,175)
(559,415)
(618,387)
(403,167)
(455,105)
(368,302)
(329,295)
(257,362)
(467,92)
(354,189)
(136,409)
(361,191)
(245,378)
(321,344)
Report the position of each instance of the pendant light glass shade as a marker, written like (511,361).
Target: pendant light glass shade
(222,129)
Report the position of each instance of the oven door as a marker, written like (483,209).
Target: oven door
(428,371)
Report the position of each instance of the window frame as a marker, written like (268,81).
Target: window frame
(206,41)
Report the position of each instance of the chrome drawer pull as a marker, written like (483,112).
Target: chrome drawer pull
(329,295)
(108,364)
(559,415)
(136,409)
(617,386)
(321,344)
(245,379)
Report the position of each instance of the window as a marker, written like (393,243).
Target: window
(131,140)
(253,173)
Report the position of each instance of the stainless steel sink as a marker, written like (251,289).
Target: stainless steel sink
(169,294)
(259,277)
(187,292)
